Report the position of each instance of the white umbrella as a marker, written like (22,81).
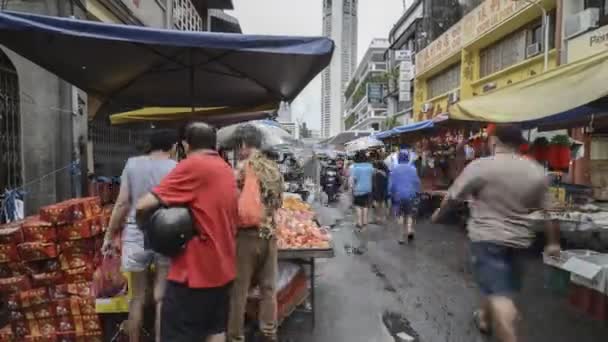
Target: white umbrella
(273,135)
(363,143)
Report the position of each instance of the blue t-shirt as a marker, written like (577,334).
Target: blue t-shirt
(362,174)
(404,182)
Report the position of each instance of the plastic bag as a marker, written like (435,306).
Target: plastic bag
(251,210)
(108,280)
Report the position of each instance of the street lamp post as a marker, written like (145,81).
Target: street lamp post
(545,26)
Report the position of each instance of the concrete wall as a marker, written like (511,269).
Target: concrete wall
(46,118)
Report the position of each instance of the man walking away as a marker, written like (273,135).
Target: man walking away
(404,188)
(362,173)
(140,175)
(257,251)
(504,189)
(380,191)
(196,302)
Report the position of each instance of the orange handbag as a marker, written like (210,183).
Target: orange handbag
(251,209)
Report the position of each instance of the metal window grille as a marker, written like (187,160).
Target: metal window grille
(186,18)
(10,126)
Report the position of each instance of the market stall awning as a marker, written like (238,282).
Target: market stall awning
(564,92)
(362,143)
(144,67)
(159,114)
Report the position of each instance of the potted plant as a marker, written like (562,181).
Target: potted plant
(540,149)
(559,152)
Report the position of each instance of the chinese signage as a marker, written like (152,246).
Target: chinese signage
(375,93)
(478,22)
(440,49)
(406,75)
(403,56)
(588,44)
(405,91)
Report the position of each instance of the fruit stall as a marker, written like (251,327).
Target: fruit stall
(301,241)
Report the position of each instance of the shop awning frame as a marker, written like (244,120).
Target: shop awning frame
(561,94)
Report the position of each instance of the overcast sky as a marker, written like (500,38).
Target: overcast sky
(303,17)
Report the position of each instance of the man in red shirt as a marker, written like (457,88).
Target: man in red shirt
(196,301)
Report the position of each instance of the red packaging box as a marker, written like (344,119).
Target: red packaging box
(34,297)
(68,290)
(15,284)
(42,266)
(47,326)
(91,323)
(68,324)
(33,251)
(35,230)
(21,329)
(9,253)
(87,306)
(84,246)
(80,274)
(12,269)
(80,230)
(67,306)
(70,261)
(13,302)
(6,334)
(47,279)
(44,311)
(15,316)
(91,206)
(60,213)
(11,233)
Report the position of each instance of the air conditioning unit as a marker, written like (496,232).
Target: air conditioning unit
(582,22)
(426,107)
(532,50)
(454,97)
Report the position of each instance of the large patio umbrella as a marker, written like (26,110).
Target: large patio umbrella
(143,67)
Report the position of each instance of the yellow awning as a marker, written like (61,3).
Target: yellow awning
(157,114)
(554,92)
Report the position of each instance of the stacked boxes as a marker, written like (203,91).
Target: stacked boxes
(46,268)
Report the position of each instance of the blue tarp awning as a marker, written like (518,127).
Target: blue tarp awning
(414,127)
(141,66)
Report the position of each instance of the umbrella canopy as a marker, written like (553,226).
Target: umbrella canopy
(363,143)
(142,66)
(210,115)
(273,134)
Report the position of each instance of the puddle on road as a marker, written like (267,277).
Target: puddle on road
(399,327)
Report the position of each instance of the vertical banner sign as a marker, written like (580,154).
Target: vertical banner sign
(406,75)
(375,94)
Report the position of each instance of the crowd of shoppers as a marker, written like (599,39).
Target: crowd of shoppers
(201,293)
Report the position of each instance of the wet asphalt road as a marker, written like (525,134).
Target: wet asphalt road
(425,289)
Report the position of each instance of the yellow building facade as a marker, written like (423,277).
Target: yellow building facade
(496,44)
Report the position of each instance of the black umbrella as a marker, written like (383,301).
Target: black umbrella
(140,66)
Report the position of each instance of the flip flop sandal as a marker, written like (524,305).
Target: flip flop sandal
(477,320)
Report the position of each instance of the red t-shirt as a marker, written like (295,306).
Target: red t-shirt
(207,185)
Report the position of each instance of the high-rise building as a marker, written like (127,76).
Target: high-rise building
(339,24)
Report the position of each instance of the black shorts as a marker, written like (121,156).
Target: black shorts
(191,315)
(361,201)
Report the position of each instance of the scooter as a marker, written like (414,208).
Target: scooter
(331,184)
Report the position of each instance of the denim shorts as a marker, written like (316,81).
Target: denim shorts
(135,257)
(497,269)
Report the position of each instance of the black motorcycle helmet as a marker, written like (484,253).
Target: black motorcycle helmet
(169,229)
